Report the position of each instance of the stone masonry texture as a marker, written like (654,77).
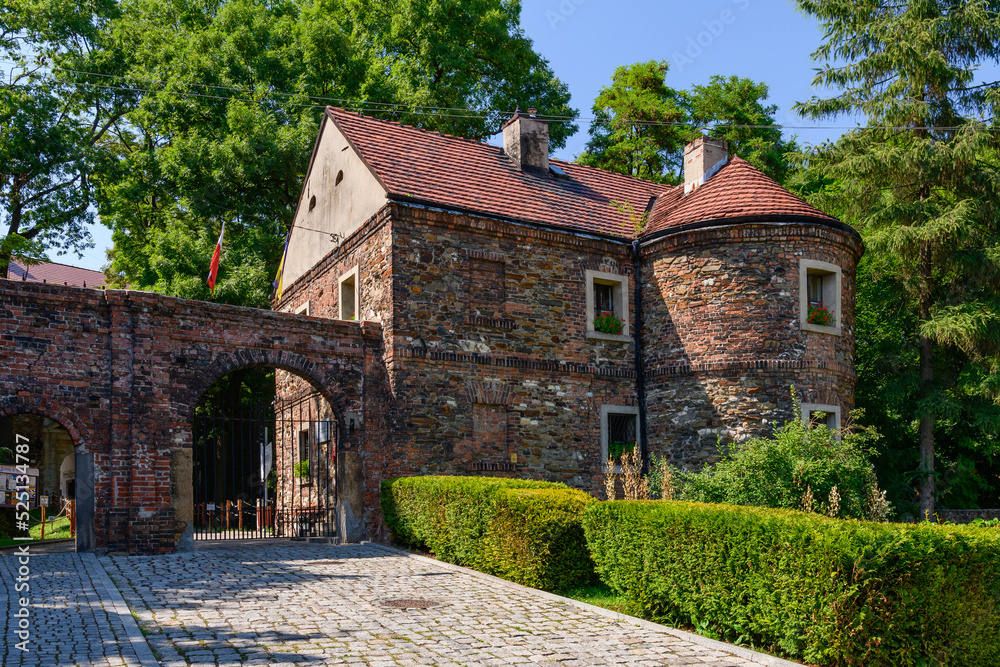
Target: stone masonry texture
(471,355)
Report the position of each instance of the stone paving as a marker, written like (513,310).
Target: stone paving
(294,603)
(288,603)
(73,617)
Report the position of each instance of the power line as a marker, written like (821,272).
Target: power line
(438,112)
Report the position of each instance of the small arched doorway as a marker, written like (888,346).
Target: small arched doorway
(39,456)
(264,458)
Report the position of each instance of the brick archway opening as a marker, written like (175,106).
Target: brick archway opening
(263,459)
(60,473)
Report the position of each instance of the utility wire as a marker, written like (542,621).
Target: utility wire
(439,112)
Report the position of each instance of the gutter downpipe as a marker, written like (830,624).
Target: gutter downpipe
(640,374)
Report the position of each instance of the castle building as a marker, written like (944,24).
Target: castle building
(539,314)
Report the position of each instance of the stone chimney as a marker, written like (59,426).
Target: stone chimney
(526,141)
(703,157)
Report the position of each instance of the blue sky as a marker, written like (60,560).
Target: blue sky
(584,40)
(768,41)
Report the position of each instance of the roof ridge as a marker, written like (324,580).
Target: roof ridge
(68,266)
(476,142)
(397,123)
(738,159)
(644,181)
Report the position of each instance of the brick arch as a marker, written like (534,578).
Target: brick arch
(18,405)
(327,385)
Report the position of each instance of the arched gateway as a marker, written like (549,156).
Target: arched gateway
(123,373)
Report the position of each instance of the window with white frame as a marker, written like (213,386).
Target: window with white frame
(303,309)
(619,431)
(349,301)
(820,306)
(607,306)
(819,414)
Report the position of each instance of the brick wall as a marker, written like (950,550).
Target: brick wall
(122,372)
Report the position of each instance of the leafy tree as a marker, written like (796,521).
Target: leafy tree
(642,125)
(625,136)
(921,182)
(457,55)
(51,132)
(228,95)
(735,101)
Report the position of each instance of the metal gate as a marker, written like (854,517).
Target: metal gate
(263,471)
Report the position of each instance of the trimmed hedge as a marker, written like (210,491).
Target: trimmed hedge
(524,531)
(827,591)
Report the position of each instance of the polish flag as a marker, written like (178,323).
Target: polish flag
(213,271)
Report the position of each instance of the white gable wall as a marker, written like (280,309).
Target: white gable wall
(339,209)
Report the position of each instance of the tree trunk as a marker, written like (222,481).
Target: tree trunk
(926,433)
(927,419)
(6,255)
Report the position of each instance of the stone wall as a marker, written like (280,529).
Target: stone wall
(967,516)
(722,341)
(491,368)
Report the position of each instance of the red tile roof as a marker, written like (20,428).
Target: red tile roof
(55,273)
(469,175)
(738,190)
(460,173)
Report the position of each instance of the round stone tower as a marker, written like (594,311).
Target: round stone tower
(747,292)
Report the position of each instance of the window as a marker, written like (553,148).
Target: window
(820,305)
(607,304)
(322,431)
(619,430)
(604,298)
(303,309)
(349,295)
(816,413)
(303,466)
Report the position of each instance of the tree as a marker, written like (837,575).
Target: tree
(920,180)
(231,96)
(725,104)
(642,125)
(50,131)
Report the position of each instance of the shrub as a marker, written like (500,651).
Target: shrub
(525,531)
(820,315)
(301,469)
(804,466)
(823,590)
(608,323)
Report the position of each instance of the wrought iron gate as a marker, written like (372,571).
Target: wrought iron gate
(264,471)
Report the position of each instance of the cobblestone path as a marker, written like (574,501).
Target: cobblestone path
(287,603)
(74,618)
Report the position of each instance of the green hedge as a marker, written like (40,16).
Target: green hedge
(524,531)
(827,591)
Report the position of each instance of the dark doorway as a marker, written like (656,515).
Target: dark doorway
(264,466)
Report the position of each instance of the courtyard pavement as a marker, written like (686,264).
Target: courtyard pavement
(295,603)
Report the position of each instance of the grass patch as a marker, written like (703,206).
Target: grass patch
(54,530)
(601,595)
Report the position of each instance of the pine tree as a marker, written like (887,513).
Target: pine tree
(920,179)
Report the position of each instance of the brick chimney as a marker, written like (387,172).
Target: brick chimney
(526,141)
(702,158)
